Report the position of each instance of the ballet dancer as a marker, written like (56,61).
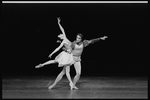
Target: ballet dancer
(64,59)
(78,46)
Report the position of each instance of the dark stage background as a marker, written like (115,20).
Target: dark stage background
(30,33)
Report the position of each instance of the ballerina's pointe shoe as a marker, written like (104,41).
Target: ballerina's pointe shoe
(75,87)
(71,86)
(50,87)
(38,66)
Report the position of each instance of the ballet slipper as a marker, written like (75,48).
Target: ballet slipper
(38,66)
(71,86)
(75,87)
(50,87)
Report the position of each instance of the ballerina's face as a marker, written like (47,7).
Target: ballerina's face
(61,36)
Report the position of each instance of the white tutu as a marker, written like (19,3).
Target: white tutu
(64,58)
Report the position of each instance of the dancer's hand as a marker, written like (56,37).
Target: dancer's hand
(50,55)
(58,41)
(103,38)
(58,19)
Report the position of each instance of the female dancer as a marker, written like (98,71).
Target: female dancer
(64,59)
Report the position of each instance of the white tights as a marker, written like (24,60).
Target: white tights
(77,67)
(66,69)
(49,62)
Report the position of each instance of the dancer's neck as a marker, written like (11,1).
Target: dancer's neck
(79,43)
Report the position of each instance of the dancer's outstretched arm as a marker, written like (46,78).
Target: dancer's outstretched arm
(97,39)
(61,28)
(62,43)
(87,42)
(50,61)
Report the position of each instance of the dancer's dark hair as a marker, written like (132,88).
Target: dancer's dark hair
(80,35)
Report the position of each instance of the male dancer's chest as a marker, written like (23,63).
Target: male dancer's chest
(78,49)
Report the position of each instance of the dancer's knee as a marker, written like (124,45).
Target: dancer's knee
(78,74)
(67,73)
(63,72)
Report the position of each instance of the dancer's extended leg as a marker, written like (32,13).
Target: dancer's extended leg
(77,66)
(49,62)
(59,77)
(46,63)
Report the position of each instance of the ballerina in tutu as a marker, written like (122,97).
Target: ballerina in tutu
(64,59)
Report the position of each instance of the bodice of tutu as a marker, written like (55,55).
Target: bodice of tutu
(65,58)
(67,45)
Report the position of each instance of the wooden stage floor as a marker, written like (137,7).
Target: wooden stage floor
(89,88)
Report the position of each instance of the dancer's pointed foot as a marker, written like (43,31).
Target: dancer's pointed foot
(71,86)
(51,86)
(75,87)
(38,66)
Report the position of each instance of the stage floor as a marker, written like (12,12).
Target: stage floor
(89,87)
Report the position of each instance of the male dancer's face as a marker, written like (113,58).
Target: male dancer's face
(78,39)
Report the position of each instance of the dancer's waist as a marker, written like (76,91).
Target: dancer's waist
(77,53)
(68,51)
(77,58)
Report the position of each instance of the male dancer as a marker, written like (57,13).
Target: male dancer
(78,46)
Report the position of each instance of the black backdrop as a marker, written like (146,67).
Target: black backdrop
(30,34)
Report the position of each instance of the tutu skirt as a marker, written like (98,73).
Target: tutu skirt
(64,59)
